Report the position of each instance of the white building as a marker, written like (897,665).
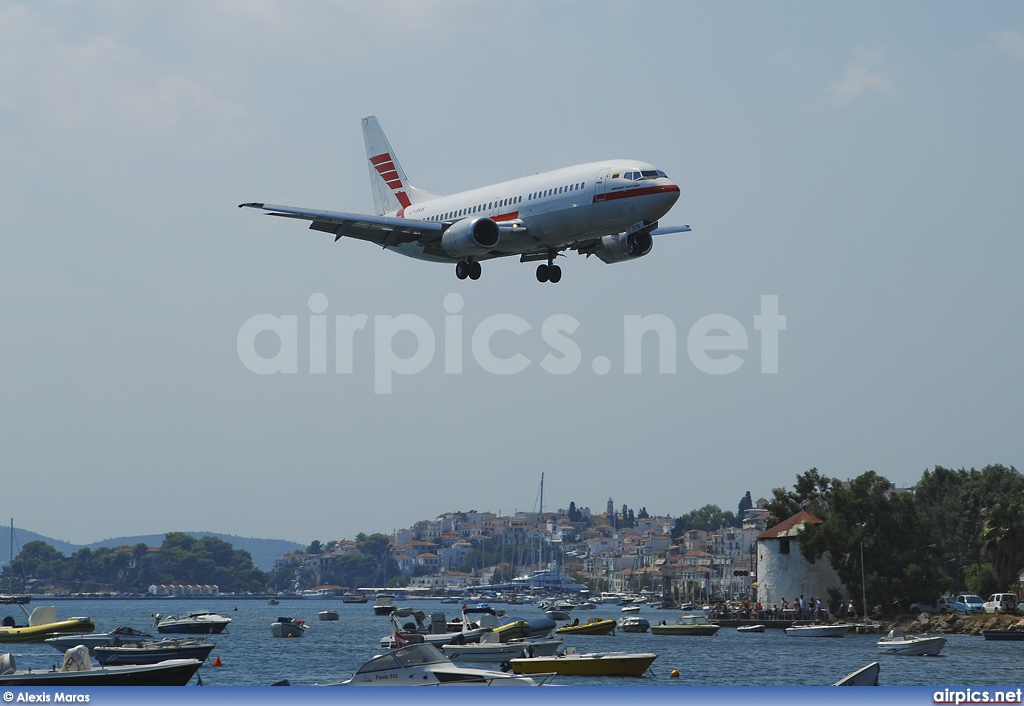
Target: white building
(782,572)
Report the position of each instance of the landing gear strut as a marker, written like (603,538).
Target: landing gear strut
(464,269)
(549,272)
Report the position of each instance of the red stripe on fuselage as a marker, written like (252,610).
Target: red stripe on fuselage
(629,193)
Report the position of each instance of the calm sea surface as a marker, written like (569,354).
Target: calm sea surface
(331,651)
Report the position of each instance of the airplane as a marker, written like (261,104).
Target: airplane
(609,209)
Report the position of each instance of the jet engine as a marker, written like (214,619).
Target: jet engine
(470,237)
(624,246)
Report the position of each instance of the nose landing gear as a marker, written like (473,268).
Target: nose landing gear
(549,273)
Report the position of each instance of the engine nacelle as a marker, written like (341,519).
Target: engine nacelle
(624,246)
(470,237)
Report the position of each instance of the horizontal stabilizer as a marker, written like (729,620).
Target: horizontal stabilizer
(671,229)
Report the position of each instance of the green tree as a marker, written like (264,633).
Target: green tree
(1002,539)
(709,517)
(900,565)
(811,492)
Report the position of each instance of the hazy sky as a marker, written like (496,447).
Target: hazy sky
(860,162)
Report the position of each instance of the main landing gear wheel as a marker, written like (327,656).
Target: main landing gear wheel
(549,273)
(465,269)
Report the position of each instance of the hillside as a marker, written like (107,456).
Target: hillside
(263,551)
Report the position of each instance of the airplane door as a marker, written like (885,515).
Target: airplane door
(601,186)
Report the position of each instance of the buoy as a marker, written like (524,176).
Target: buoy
(674,674)
(217,662)
(236,609)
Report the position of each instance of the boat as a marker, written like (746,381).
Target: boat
(751,628)
(634,623)
(865,676)
(594,626)
(838,630)
(439,631)
(572,663)
(41,624)
(205,623)
(288,627)
(153,652)
(384,604)
(427,665)
(557,614)
(898,642)
(329,614)
(1003,634)
(319,593)
(272,601)
(696,624)
(632,608)
(78,671)
(354,598)
(491,649)
(117,636)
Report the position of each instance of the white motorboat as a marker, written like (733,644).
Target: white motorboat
(329,614)
(634,623)
(435,632)
(865,676)
(384,604)
(492,649)
(839,630)
(205,623)
(117,636)
(751,628)
(631,608)
(78,671)
(898,642)
(288,627)
(426,665)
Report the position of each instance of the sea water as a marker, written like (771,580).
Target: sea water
(331,651)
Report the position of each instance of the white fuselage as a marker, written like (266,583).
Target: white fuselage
(556,208)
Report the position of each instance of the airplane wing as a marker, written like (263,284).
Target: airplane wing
(382,230)
(671,229)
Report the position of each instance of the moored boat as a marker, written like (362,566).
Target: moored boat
(329,614)
(838,630)
(288,627)
(78,671)
(205,623)
(153,652)
(687,624)
(491,649)
(865,676)
(41,624)
(634,623)
(594,626)
(117,636)
(426,665)
(384,604)
(1015,635)
(589,664)
(751,628)
(898,642)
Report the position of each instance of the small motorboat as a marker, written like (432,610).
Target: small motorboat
(573,663)
(426,665)
(632,608)
(354,598)
(634,623)
(384,604)
(41,623)
(898,642)
(594,626)
(491,649)
(205,623)
(838,630)
(751,628)
(329,614)
(692,624)
(557,614)
(272,601)
(865,676)
(1015,635)
(153,652)
(117,636)
(288,627)
(78,671)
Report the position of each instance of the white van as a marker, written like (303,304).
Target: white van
(1001,603)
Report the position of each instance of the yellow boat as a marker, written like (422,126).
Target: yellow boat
(42,623)
(594,626)
(572,663)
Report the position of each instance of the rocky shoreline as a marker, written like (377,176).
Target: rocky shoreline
(955,624)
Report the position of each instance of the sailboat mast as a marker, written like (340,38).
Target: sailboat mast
(540,541)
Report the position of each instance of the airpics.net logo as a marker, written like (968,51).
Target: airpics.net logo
(713,343)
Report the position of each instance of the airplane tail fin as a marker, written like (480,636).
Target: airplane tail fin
(391,188)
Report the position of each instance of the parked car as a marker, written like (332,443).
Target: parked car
(1001,603)
(946,604)
(969,603)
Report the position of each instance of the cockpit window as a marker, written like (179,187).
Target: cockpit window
(653,174)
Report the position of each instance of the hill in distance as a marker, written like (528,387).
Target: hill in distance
(263,551)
